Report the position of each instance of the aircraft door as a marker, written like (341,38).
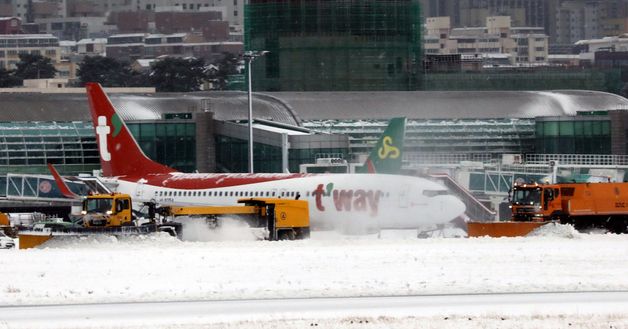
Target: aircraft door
(139,188)
(404,196)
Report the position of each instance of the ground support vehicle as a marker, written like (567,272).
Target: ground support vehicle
(5,224)
(584,205)
(102,214)
(281,219)
(5,241)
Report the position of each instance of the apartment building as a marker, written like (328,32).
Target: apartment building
(523,45)
(11,46)
(135,46)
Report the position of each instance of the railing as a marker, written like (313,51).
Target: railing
(444,158)
(475,209)
(578,159)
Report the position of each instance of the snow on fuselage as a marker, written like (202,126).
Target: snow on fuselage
(336,200)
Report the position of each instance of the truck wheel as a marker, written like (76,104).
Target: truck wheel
(618,225)
(291,235)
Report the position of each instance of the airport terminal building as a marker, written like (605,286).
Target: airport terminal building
(207,131)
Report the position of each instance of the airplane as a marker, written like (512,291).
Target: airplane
(337,201)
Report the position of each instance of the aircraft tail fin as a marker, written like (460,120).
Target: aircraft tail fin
(387,155)
(120,155)
(63,187)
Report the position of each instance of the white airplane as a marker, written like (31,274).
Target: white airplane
(341,201)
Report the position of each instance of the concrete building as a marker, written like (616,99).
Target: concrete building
(524,45)
(587,49)
(577,20)
(11,46)
(10,25)
(232,10)
(130,47)
(92,47)
(75,28)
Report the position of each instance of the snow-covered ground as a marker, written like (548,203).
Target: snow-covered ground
(161,268)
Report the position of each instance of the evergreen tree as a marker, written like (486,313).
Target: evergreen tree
(8,79)
(34,67)
(178,74)
(109,72)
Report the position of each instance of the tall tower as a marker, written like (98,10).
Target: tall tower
(334,44)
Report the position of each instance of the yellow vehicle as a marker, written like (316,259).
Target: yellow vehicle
(285,219)
(107,210)
(282,219)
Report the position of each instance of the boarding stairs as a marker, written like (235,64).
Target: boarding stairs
(476,210)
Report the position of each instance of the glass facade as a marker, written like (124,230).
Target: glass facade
(491,137)
(26,147)
(334,45)
(232,156)
(608,80)
(301,156)
(170,143)
(578,135)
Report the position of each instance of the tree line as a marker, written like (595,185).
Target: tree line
(167,74)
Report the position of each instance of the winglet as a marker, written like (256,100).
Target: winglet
(63,187)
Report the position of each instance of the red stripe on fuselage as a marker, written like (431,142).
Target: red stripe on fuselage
(208,181)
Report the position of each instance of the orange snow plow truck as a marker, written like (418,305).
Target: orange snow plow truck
(584,205)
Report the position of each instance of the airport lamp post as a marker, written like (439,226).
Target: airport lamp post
(249,56)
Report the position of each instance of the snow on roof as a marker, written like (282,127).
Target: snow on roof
(145,62)
(67,43)
(27,36)
(152,36)
(128,35)
(278,129)
(92,40)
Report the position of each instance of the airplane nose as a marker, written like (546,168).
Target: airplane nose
(451,207)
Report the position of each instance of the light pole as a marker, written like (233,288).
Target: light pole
(249,56)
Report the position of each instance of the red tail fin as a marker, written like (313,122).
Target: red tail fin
(119,153)
(63,187)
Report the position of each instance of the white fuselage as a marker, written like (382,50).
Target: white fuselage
(343,201)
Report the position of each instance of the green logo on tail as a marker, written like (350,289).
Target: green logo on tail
(386,156)
(116,123)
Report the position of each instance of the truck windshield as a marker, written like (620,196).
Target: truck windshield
(98,205)
(527,196)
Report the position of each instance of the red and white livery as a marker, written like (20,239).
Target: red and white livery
(336,200)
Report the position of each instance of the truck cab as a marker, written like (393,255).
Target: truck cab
(108,210)
(535,202)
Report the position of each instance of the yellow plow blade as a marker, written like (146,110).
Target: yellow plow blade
(502,229)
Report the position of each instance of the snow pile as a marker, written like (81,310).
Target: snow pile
(228,229)
(105,241)
(556,230)
(534,321)
(160,268)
